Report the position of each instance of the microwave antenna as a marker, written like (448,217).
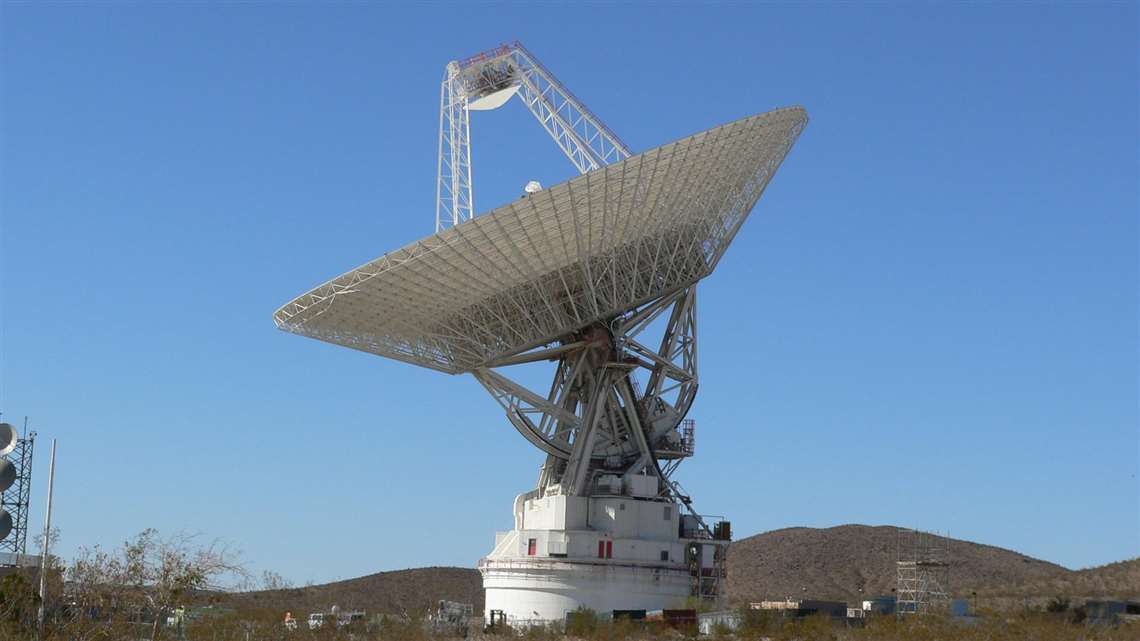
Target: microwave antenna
(594,279)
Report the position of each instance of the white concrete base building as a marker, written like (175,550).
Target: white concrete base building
(603,553)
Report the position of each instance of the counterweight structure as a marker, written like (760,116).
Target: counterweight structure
(594,279)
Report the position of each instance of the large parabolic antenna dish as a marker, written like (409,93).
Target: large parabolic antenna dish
(531,272)
(594,283)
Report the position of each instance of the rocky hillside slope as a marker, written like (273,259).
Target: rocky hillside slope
(413,591)
(847,562)
(851,562)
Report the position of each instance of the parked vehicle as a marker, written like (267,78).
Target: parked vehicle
(340,619)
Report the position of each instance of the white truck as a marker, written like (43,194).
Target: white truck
(339,619)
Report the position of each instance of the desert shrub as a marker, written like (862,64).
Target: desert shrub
(402,629)
(19,606)
(583,623)
(1079,615)
(1057,604)
(755,624)
(549,632)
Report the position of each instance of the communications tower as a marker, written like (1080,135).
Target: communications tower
(15,492)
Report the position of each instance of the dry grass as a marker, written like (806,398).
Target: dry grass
(757,626)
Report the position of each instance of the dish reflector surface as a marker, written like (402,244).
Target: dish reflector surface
(531,272)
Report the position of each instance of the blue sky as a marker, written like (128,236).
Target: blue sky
(930,319)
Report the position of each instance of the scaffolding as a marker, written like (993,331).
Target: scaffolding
(707,581)
(923,572)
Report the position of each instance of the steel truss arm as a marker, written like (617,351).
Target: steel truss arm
(454,196)
(520,404)
(581,135)
(578,132)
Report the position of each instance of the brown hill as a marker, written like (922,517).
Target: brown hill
(847,562)
(850,562)
(1119,580)
(399,592)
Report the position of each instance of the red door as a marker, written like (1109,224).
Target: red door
(532,547)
